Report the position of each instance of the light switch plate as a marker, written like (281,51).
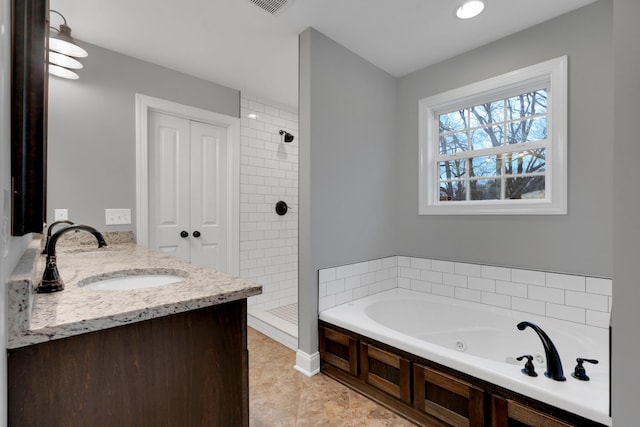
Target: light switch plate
(117,216)
(61,214)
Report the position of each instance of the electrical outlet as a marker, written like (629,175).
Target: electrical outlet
(61,214)
(117,216)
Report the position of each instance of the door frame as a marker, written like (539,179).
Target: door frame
(145,104)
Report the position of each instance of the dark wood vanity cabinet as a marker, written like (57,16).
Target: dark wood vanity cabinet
(427,393)
(186,369)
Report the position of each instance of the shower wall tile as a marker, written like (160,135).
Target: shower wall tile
(580,299)
(268,173)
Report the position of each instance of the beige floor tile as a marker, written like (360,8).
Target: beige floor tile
(279,396)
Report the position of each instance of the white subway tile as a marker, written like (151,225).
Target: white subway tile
(512,289)
(344,271)
(353,282)
(498,300)
(585,300)
(409,273)
(454,280)
(360,268)
(599,286)
(404,261)
(444,290)
(540,293)
(383,274)
(487,285)
(420,286)
(389,262)
(465,269)
(431,276)
(327,302)
(368,278)
(374,288)
(528,306)
(572,314)
(529,277)
(442,266)
(344,297)
(421,263)
(404,283)
(360,292)
(598,318)
(335,287)
(390,283)
(496,273)
(467,294)
(566,281)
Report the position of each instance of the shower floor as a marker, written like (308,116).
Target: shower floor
(288,313)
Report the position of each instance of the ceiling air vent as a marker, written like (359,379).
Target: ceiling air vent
(271,6)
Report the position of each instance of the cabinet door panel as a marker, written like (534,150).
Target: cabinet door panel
(449,399)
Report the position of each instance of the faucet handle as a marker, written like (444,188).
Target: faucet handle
(579,372)
(529,369)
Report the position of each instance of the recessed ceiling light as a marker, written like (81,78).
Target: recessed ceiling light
(470,9)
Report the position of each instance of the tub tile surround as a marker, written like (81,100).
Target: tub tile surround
(574,298)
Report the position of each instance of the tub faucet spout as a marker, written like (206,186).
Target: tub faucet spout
(554,365)
(51,280)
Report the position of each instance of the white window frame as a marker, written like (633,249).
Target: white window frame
(551,74)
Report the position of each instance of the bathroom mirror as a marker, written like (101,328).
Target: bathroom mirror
(29,115)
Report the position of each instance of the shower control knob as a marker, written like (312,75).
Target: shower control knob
(184,234)
(196,234)
(529,369)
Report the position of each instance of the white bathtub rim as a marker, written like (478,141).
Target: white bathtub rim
(587,399)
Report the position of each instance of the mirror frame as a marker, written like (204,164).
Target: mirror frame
(29,87)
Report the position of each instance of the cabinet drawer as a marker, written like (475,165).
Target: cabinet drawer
(339,350)
(448,399)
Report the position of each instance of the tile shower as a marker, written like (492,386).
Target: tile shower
(268,241)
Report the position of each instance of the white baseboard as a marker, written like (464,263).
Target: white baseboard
(307,364)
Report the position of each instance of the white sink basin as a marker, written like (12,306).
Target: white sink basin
(128,280)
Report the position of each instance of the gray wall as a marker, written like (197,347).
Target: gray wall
(347,136)
(92,130)
(626,208)
(580,242)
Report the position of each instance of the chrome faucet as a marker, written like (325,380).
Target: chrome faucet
(49,230)
(554,365)
(51,280)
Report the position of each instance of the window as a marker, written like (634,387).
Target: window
(496,146)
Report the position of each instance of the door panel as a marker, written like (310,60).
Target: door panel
(209,193)
(188,189)
(169,184)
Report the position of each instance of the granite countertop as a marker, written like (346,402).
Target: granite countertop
(34,318)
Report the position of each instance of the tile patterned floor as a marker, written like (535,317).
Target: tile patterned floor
(288,313)
(279,396)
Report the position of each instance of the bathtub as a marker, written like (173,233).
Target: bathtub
(484,342)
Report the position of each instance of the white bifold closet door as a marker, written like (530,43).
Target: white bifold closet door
(187,189)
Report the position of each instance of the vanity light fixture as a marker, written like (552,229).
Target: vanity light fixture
(63,50)
(470,9)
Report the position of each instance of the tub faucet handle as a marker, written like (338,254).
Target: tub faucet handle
(579,372)
(529,369)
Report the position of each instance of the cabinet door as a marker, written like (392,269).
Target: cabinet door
(339,350)
(448,399)
(509,413)
(386,371)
